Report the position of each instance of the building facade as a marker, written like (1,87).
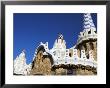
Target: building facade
(80,59)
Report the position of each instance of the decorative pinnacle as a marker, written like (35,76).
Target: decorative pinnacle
(60,36)
(24,50)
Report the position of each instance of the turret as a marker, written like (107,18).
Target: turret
(87,40)
(89,29)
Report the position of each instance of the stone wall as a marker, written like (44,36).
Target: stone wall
(79,71)
(41,65)
(84,72)
(60,71)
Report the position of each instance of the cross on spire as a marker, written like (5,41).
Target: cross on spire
(60,36)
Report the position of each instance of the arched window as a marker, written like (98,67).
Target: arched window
(70,54)
(89,32)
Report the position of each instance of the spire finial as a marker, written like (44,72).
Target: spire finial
(60,36)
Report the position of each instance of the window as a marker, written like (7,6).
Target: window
(70,54)
(89,32)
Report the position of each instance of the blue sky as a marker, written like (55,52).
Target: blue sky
(32,28)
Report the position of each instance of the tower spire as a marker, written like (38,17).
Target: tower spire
(88,23)
(89,29)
